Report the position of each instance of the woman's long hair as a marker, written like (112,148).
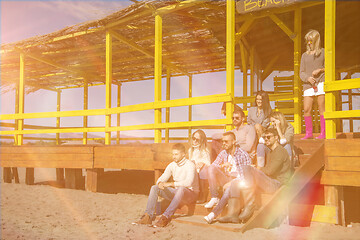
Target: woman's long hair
(202,144)
(281,117)
(265,102)
(314,36)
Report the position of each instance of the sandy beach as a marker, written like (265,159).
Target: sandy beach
(45,212)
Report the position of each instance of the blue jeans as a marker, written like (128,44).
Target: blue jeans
(230,192)
(253,177)
(175,195)
(217,178)
(203,174)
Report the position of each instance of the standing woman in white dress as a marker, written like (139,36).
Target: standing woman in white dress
(312,74)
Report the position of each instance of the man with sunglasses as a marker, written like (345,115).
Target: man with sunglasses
(241,193)
(226,167)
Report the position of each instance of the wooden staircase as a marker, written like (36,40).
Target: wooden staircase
(273,206)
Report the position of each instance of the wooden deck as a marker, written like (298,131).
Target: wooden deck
(329,165)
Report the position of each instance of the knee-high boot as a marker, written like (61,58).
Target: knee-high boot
(308,127)
(249,204)
(322,127)
(234,207)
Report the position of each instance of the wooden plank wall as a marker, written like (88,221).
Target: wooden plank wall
(342,165)
(47,157)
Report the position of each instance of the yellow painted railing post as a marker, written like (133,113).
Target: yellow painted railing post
(230,59)
(190,107)
(297,58)
(16,111)
(330,10)
(86,100)
(58,108)
(118,115)
(252,72)
(167,116)
(244,71)
(108,86)
(158,74)
(21,97)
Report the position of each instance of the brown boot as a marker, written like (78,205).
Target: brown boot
(234,207)
(146,219)
(249,205)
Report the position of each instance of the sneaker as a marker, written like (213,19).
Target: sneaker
(162,222)
(212,203)
(145,219)
(210,218)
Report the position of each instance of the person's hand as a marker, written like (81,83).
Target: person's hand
(311,80)
(227,185)
(199,165)
(163,185)
(226,166)
(277,123)
(316,72)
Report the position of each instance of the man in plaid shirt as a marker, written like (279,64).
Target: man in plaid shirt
(226,167)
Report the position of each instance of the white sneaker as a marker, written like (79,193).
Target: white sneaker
(209,218)
(212,203)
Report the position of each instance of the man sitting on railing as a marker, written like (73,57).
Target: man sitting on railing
(183,190)
(241,194)
(226,167)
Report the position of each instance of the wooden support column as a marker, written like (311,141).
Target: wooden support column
(59,171)
(108,86)
(230,59)
(244,72)
(29,178)
(330,12)
(252,72)
(168,82)
(158,74)
(86,106)
(190,107)
(297,81)
(118,115)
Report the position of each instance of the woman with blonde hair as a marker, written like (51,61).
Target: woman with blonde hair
(286,136)
(312,74)
(200,155)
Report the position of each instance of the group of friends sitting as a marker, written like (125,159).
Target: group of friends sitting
(253,157)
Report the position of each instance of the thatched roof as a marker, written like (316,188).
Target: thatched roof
(194,41)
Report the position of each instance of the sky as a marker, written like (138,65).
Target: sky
(24,19)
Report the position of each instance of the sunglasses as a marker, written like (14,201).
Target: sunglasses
(309,41)
(268,136)
(236,118)
(196,139)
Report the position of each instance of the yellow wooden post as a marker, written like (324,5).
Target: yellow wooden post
(21,97)
(244,72)
(16,111)
(330,11)
(190,107)
(168,78)
(252,72)
(118,115)
(58,108)
(297,81)
(230,59)
(158,74)
(59,171)
(108,86)
(86,100)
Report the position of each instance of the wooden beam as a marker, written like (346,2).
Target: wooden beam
(158,75)
(268,213)
(268,69)
(177,6)
(341,178)
(283,26)
(108,86)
